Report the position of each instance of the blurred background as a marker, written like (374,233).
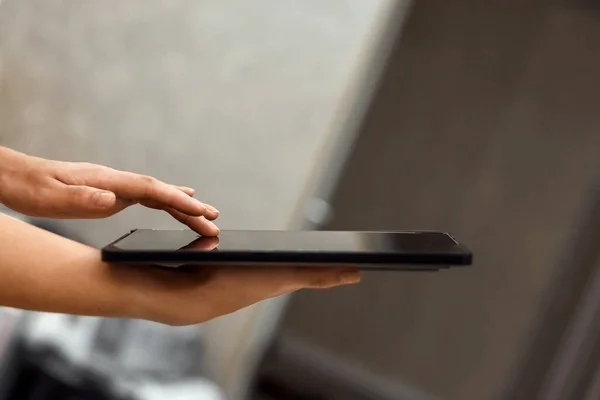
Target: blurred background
(479,118)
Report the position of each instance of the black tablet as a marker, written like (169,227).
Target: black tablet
(401,250)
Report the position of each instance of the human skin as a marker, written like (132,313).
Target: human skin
(42,271)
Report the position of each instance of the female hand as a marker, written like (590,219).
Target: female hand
(188,296)
(53,189)
(194,294)
(63,276)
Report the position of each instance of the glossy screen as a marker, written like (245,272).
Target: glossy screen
(289,241)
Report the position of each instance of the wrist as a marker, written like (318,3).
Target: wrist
(120,292)
(129,293)
(41,271)
(10,161)
(91,287)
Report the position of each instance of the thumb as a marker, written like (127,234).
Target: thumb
(87,202)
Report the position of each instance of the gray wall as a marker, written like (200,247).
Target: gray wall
(487,125)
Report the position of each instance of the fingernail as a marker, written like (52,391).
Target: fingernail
(212,225)
(211,208)
(103,199)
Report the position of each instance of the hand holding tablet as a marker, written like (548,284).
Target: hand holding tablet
(240,268)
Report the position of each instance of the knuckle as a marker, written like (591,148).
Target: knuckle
(148,180)
(74,196)
(74,173)
(41,204)
(318,282)
(84,165)
(321,281)
(149,185)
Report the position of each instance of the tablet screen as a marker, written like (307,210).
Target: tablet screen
(289,241)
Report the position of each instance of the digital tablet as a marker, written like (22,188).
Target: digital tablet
(400,250)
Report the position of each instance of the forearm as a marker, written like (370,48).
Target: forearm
(41,271)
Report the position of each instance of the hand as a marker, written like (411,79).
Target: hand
(54,189)
(193,294)
(63,276)
(197,294)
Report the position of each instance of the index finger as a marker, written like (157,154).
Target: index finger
(141,188)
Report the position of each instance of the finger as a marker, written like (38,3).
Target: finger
(187,190)
(190,220)
(211,214)
(232,288)
(199,225)
(82,202)
(267,282)
(323,277)
(140,188)
(214,213)
(204,243)
(157,206)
